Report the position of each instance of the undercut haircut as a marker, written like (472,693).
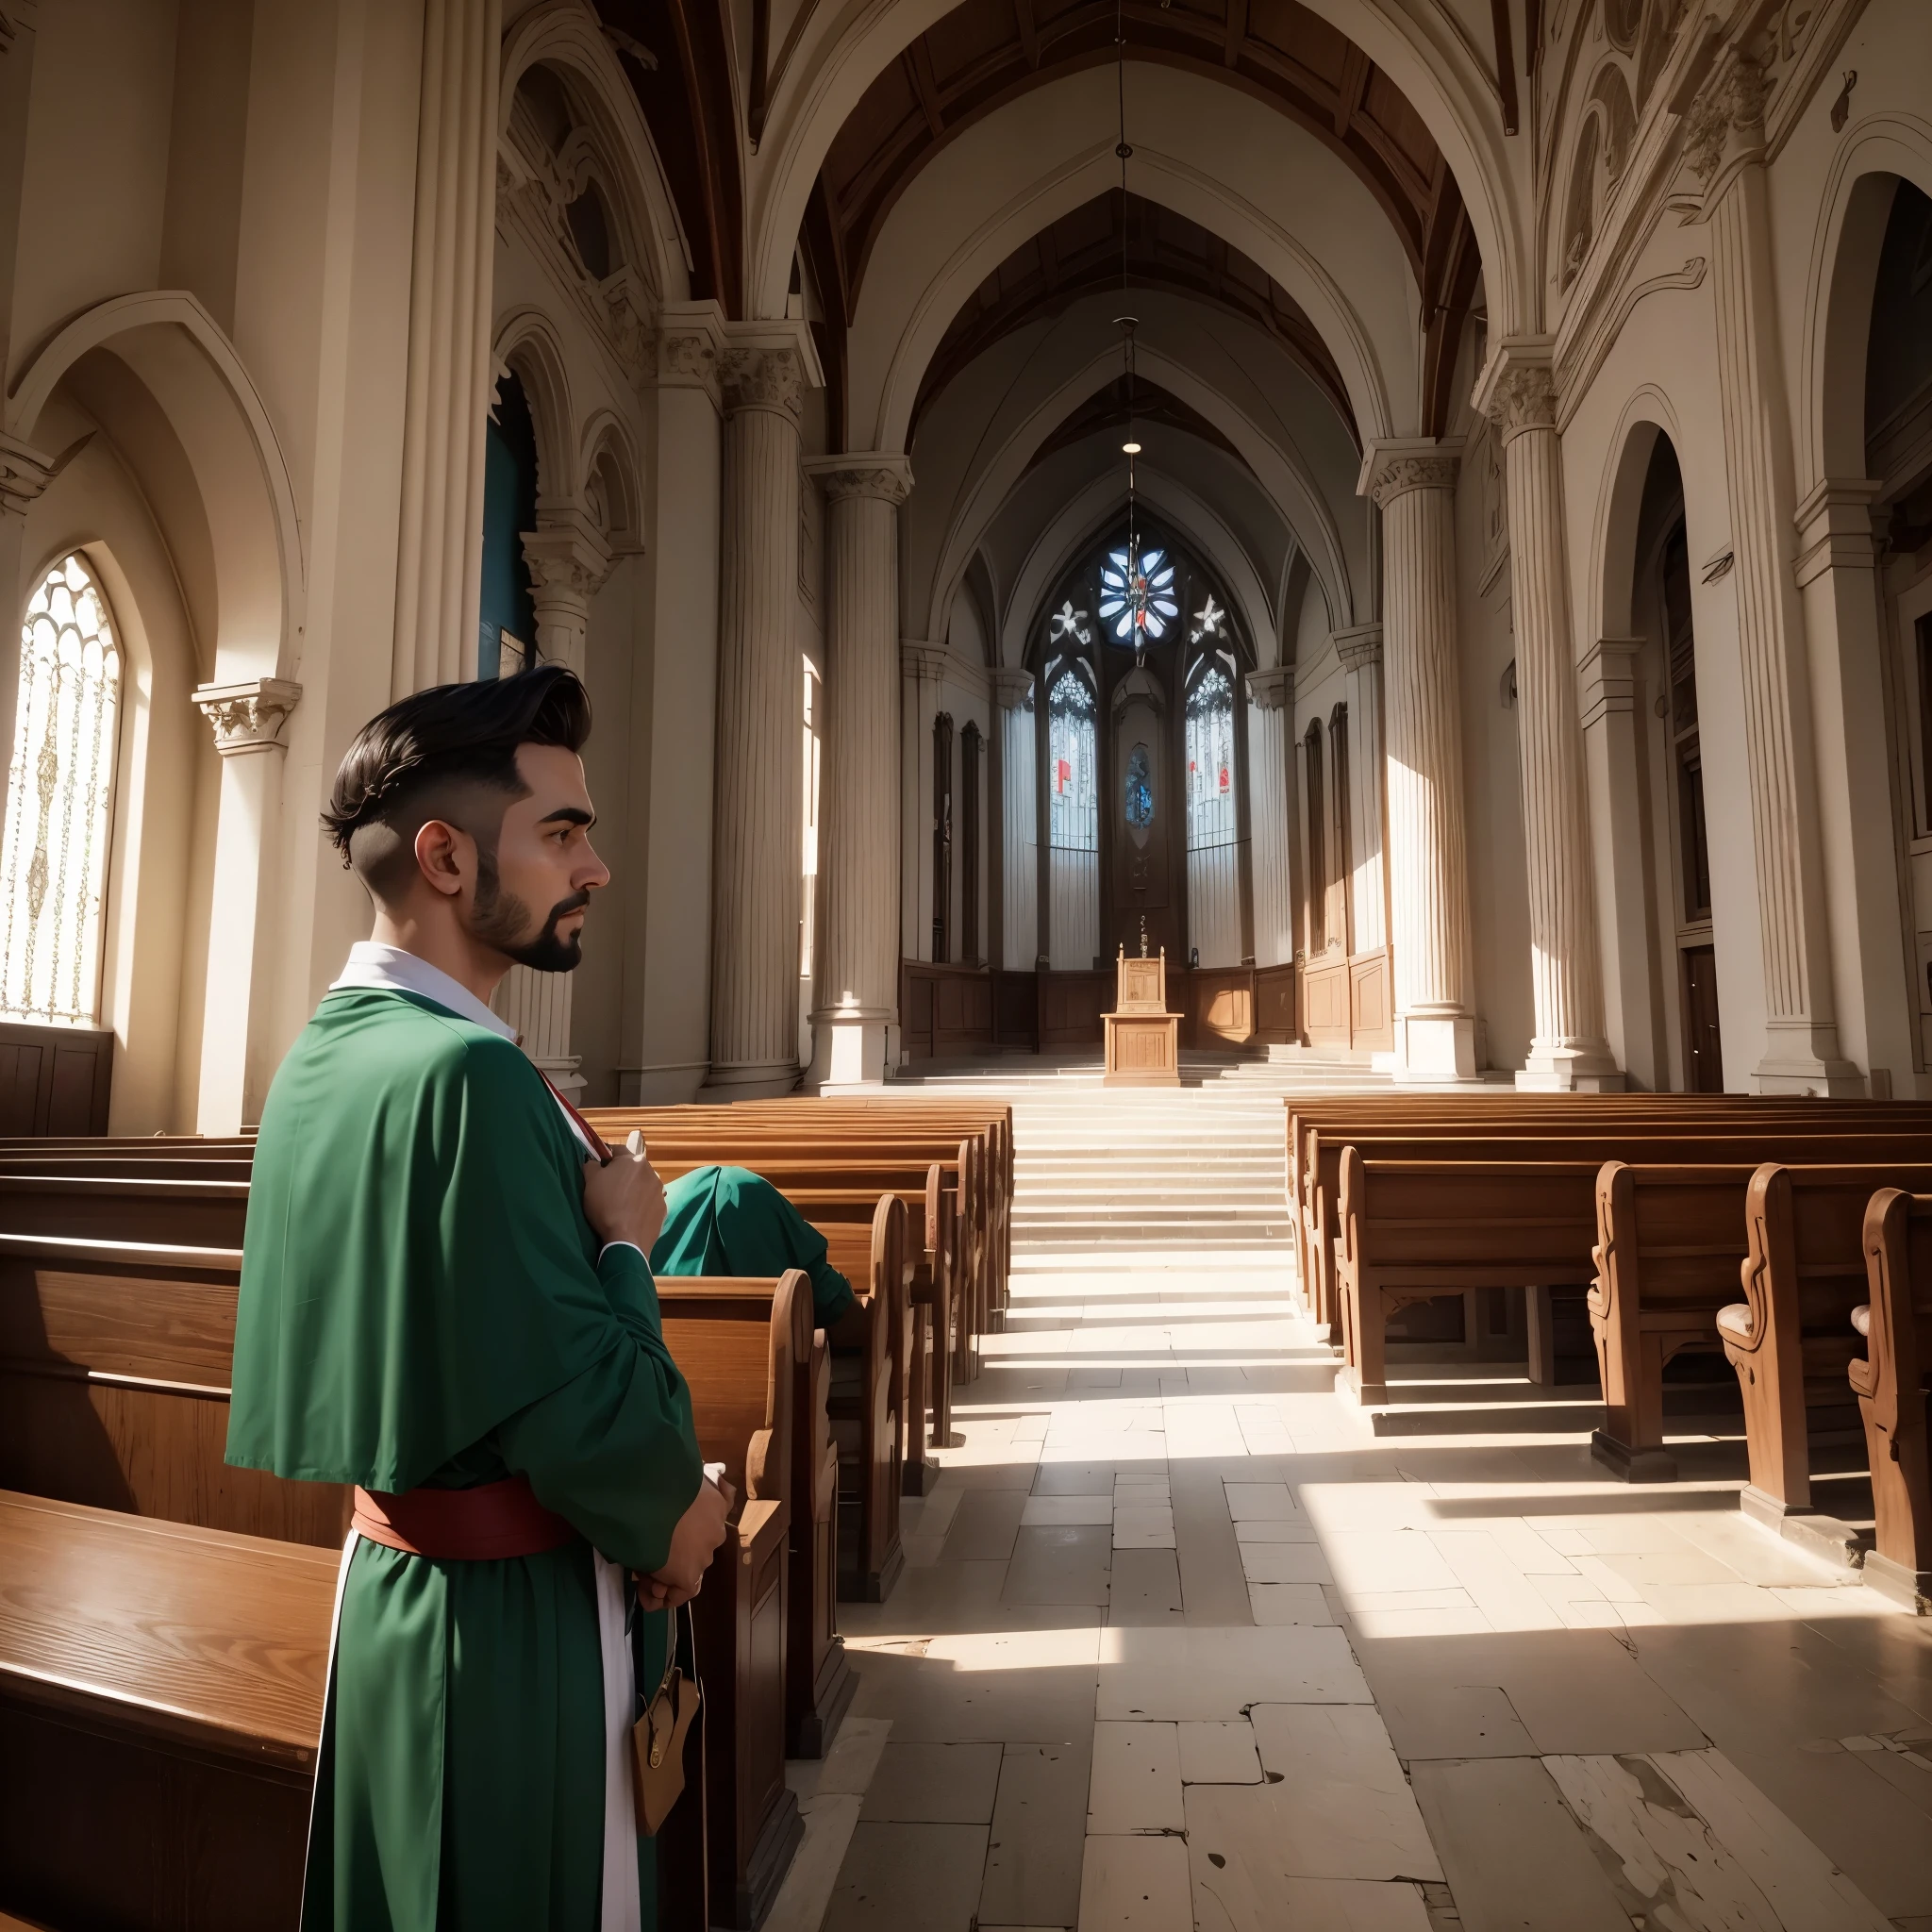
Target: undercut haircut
(429,749)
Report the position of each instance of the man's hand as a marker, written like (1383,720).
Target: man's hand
(699,1532)
(624,1201)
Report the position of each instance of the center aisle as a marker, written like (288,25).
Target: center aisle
(1121,1680)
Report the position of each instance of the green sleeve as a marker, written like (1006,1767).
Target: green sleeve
(764,1234)
(613,1450)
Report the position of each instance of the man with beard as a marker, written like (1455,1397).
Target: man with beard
(445,1302)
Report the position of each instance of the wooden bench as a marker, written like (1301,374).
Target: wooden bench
(1505,1130)
(160,1704)
(744,1345)
(1791,1338)
(1891,1384)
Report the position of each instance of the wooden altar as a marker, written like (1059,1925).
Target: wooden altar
(1142,1037)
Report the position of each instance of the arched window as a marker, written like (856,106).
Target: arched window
(1214,921)
(1072,792)
(60,798)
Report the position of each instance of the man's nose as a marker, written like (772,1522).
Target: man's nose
(591,872)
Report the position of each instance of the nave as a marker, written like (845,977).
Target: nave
(1179,1642)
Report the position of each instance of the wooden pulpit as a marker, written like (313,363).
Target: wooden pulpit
(1142,1037)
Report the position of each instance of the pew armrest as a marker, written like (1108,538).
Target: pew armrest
(1733,1323)
(760,1525)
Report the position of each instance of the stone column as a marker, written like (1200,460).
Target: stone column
(1568,1051)
(760,700)
(569,562)
(1724,145)
(1270,694)
(1360,652)
(238,1059)
(439,560)
(855,1027)
(667,1004)
(1413,484)
(1607,693)
(1836,575)
(922,678)
(1012,692)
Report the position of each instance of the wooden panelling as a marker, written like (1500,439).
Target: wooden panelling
(1276,1021)
(1016,1011)
(55,1080)
(1324,1001)
(944,1010)
(1220,1005)
(1372,1011)
(1071,1005)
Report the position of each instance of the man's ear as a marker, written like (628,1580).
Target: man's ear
(446,856)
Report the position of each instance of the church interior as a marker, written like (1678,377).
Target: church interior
(1262,675)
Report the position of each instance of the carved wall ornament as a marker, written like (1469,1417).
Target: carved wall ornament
(687,356)
(25,472)
(567,566)
(1359,649)
(1524,396)
(248,717)
(1272,689)
(764,379)
(839,479)
(1727,119)
(1398,474)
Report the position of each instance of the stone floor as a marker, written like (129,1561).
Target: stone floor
(1179,1644)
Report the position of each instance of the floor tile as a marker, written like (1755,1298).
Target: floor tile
(1278,1604)
(1145,1588)
(1169,1674)
(934,1784)
(1261,1502)
(1060,1566)
(1285,1563)
(1143,1526)
(1034,1854)
(1135,1885)
(1514,1855)
(985,1524)
(910,1878)
(1054,1512)
(1137,1779)
(1219,1751)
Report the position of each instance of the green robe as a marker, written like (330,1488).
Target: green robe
(423,1302)
(729,1221)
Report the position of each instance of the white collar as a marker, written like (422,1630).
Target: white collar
(372,964)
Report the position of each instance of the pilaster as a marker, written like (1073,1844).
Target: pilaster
(1359,649)
(855,1022)
(250,722)
(1012,692)
(1517,392)
(1271,697)
(1413,483)
(757,893)
(1724,145)
(440,561)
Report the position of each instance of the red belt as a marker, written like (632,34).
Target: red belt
(477,1526)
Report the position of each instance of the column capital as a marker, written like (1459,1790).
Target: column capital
(568,556)
(1012,688)
(1272,689)
(919,658)
(1835,526)
(769,365)
(883,474)
(1517,389)
(25,472)
(691,346)
(250,716)
(1358,646)
(1394,465)
(1723,121)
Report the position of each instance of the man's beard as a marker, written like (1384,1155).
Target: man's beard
(502,919)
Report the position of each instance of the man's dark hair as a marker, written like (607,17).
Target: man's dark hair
(431,744)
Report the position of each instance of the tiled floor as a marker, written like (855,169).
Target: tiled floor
(1179,1644)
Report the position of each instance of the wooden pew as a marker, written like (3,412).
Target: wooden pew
(744,1345)
(1891,1385)
(1791,1338)
(160,1704)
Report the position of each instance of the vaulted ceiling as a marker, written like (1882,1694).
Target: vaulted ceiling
(1108,409)
(1115,240)
(986,52)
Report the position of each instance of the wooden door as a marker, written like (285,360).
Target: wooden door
(1704,1060)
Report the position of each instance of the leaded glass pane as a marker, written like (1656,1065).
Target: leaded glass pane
(1072,792)
(1210,760)
(59,792)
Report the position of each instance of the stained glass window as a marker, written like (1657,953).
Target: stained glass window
(1073,794)
(1137,600)
(1211,755)
(60,794)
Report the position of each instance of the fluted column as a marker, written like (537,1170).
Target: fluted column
(1413,483)
(1360,651)
(1019,823)
(756,893)
(1724,145)
(569,562)
(859,857)
(1568,1051)
(440,558)
(1270,694)
(250,722)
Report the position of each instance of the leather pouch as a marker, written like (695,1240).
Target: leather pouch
(657,1739)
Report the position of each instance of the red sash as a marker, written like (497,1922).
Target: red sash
(478,1525)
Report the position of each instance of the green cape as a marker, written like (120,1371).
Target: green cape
(729,1221)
